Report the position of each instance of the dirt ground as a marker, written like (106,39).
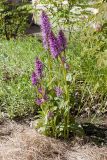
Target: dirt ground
(21,142)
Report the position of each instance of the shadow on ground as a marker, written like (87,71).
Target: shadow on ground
(97,134)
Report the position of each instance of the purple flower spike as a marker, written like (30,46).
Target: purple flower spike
(38,73)
(34,78)
(45,28)
(38,68)
(54,46)
(58,91)
(62,41)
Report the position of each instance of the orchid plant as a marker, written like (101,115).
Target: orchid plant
(53,90)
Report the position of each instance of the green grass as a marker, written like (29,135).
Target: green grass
(88,52)
(87,56)
(16,65)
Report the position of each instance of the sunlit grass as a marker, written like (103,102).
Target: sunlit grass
(89,83)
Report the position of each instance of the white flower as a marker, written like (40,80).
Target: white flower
(65,2)
(97,26)
(55,9)
(95,11)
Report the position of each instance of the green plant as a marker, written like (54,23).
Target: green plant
(84,85)
(53,82)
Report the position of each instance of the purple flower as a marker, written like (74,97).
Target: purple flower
(62,41)
(58,91)
(38,68)
(40,90)
(45,28)
(34,78)
(54,45)
(42,100)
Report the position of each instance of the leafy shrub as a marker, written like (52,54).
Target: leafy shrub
(13,18)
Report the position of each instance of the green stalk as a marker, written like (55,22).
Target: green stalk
(50,65)
(66,118)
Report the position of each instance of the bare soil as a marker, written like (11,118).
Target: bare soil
(21,142)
